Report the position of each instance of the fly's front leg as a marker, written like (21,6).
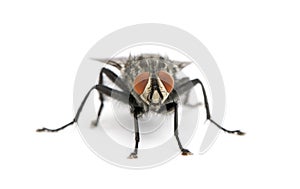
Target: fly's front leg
(114,78)
(137,110)
(184,151)
(134,155)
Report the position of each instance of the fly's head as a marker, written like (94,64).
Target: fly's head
(153,88)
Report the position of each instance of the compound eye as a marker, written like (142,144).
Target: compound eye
(167,80)
(140,82)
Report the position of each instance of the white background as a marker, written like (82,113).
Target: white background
(255,43)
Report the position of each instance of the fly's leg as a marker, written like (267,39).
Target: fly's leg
(44,129)
(188,86)
(121,96)
(137,110)
(114,78)
(134,155)
(184,151)
(75,118)
(172,106)
(186,101)
(187,95)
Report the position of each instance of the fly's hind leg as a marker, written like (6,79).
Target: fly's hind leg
(187,94)
(187,103)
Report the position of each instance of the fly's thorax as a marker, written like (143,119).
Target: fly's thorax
(151,63)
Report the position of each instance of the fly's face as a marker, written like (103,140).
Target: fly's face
(153,88)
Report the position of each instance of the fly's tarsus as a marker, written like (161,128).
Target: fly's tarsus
(44,129)
(238,132)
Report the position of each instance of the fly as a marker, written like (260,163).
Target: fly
(148,82)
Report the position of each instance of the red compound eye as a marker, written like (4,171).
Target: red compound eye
(167,80)
(140,82)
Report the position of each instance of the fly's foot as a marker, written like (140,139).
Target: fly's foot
(94,123)
(186,152)
(133,155)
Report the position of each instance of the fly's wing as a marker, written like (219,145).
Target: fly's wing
(179,65)
(119,63)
